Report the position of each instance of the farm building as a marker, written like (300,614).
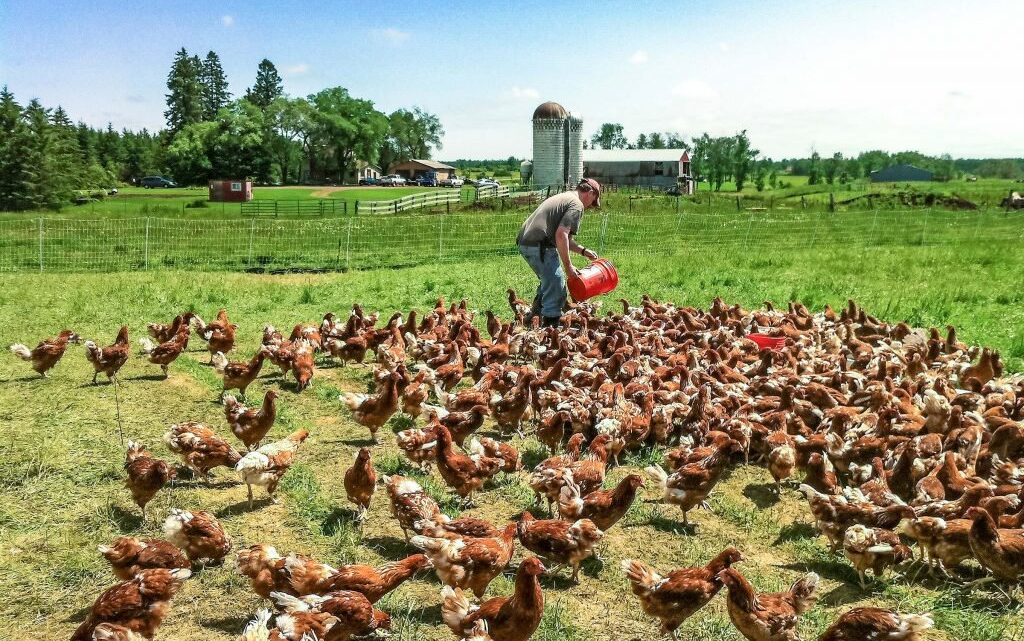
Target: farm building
(648,167)
(366,170)
(412,169)
(557,147)
(901,174)
(230,191)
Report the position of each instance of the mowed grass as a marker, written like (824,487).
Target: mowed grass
(61,488)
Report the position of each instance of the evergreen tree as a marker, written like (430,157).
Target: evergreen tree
(16,175)
(214,86)
(185,97)
(641,141)
(742,157)
(268,85)
(655,140)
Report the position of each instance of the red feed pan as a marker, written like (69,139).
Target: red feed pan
(767,342)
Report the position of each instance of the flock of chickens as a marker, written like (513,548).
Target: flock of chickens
(896,437)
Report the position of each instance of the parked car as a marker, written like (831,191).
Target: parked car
(427,180)
(369,182)
(392,180)
(153,182)
(487,182)
(454,181)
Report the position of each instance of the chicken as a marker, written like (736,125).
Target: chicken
(251,425)
(781,459)
(520,308)
(128,556)
(47,353)
(199,534)
(372,411)
(944,543)
(513,618)
(303,365)
(768,617)
(238,374)
(165,332)
(511,461)
(604,507)
(463,424)
(551,475)
(114,632)
(469,562)
(559,541)
(464,474)
(510,410)
(108,360)
(199,448)
(409,503)
(139,604)
(419,445)
(265,569)
(675,597)
(873,548)
(373,583)
(341,615)
(361,482)
(868,624)
(1000,551)
(146,474)
(691,484)
(257,630)
(167,352)
(219,334)
(267,466)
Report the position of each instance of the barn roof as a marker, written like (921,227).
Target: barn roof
(633,155)
(432,164)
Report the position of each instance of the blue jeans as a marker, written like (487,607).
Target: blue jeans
(551,293)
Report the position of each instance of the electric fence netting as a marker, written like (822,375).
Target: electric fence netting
(403,239)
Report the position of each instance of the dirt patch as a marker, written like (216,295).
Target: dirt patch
(914,199)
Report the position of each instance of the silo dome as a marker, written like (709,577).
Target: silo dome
(550,111)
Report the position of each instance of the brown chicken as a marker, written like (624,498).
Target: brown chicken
(345,615)
(361,482)
(510,410)
(108,360)
(874,549)
(410,504)
(219,334)
(513,618)
(372,411)
(128,556)
(562,542)
(373,583)
(511,461)
(1001,551)
(462,425)
(199,448)
(164,332)
(265,569)
(165,353)
(47,353)
(199,534)
(771,616)
(588,472)
(464,474)
(139,604)
(146,474)
(867,624)
(469,562)
(114,632)
(238,374)
(691,484)
(266,466)
(675,597)
(419,445)
(250,425)
(303,366)
(604,507)
(945,544)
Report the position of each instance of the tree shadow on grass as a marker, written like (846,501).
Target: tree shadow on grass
(148,377)
(27,379)
(229,625)
(390,547)
(429,614)
(242,507)
(126,520)
(673,526)
(339,519)
(795,531)
(833,569)
(762,495)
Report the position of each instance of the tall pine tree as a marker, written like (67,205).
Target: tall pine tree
(185,97)
(268,85)
(16,175)
(214,86)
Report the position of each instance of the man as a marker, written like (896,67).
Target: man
(547,237)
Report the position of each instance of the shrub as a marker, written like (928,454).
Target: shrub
(198,203)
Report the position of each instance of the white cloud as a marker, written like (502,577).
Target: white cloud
(296,70)
(695,90)
(390,36)
(724,47)
(227,21)
(639,57)
(524,92)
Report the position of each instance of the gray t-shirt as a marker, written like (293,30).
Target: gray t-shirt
(561,209)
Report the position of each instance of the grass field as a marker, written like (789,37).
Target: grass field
(61,491)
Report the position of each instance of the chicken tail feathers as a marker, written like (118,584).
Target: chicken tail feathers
(657,474)
(641,575)
(915,623)
(147,345)
(804,592)
(454,608)
(21,351)
(220,362)
(352,400)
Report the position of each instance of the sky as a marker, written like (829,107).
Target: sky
(935,76)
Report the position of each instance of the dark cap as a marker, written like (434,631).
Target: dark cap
(591,185)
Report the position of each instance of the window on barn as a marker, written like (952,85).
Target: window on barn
(659,169)
(236,186)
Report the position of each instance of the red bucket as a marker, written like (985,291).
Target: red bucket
(767,342)
(599,277)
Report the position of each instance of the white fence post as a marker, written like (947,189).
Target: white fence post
(40,245)
(348,242)
(146,259)
(252,233)
(440,238)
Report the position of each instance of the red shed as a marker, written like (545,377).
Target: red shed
(230,191)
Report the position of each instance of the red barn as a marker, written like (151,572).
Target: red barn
(230,191)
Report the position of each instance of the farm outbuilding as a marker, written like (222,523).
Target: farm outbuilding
(647,167)
(230,191)
(412,169)
(366,170)
(901,174)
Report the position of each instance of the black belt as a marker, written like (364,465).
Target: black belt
(542,245)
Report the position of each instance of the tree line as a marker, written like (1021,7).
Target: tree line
(266,135)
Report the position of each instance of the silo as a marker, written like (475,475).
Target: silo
(549,138)
(574,150)
(525,171)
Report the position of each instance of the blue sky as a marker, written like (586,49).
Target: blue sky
(937,76)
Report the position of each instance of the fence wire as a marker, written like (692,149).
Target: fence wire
(393,240)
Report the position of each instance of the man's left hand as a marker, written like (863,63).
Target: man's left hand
(590,253)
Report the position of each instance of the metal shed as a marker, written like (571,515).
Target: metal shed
(647,167)
(901,174)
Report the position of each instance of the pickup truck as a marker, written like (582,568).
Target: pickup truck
(392,180)
(454,181)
